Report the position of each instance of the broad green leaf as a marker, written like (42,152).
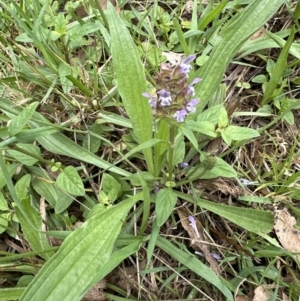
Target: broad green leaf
(3,222)
(223,119)
(111,187)
(64,69)
(63,202)
(31,222)
(165,202)
(221,169)
(289,118)
(11,170)
(237,30)
(44,185)
(24,158)
(7,294)
(60,24)
(68,274)
(257,221)
(211,114)
(136,181)
(116,258)
(3,203)
(131,80)
(19,121)
(240,133)
(194,264)
(22,186)
(204,127)
(70,181)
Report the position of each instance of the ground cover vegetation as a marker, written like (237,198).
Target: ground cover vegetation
(149,150)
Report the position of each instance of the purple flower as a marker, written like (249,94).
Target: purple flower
(215,255)
(193,224)
(247,182)
(184,164)
(190,89)
(189,59)
(191,105)
(164,98)
(180,115)
(151,101)
(185,66)
(195,81)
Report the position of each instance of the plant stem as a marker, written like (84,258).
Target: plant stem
(171,152)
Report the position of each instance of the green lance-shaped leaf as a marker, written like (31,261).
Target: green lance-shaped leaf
(240,133)
(237,31)
(70,181)
(194,264)
(131,80)
(165,203)
(68,274)
(19,121)
(31,222)
(257,221)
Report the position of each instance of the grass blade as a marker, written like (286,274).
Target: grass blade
(278,68)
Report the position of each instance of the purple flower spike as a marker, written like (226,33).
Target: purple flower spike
(180,115)
(191,105)
(164,98)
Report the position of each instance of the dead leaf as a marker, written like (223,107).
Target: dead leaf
(173,58)
(260,294)
(285,297)
(226,186)
(103,3)
(287,234)
(96,293)
(241,298)
(197,238)
(258,34)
